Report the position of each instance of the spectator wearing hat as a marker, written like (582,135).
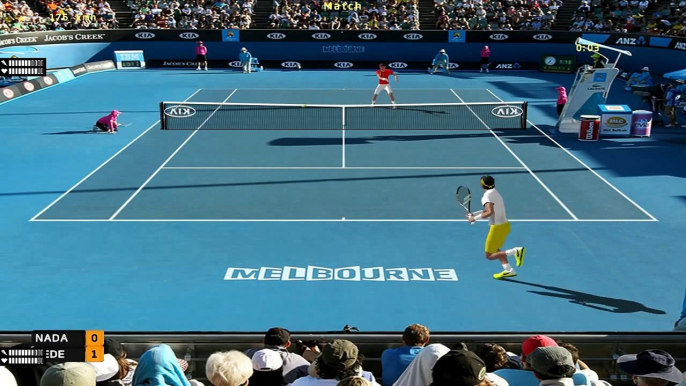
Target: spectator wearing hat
(459,368)
(201,54)
(339,360)
(160,364)
(418,373)
(553,366)
(395,360)
(525,376)
(69,374)
(268,369)
(680,324)
(106,371)
(650,368)
(279,339)
(245,59)
(230,368)
(6,377)
(441,60)
(639,79)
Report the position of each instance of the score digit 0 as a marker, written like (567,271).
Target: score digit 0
(95,342)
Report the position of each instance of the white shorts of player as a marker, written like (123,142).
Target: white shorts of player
(382,87)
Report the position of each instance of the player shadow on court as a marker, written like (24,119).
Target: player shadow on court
(600,303)
(74,132)
(350,140)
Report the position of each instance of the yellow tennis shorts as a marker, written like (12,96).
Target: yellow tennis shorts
(496,237)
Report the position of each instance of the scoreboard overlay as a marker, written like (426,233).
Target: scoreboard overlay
(58,347)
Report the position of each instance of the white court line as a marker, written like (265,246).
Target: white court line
(339,167)
(168,159)
(330,220)
(586,166)
(520,161)
(102,165)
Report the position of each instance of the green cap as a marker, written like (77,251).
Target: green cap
(339,354)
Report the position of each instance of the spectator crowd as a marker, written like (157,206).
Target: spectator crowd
(193,14)
(542,362)
(627,16)
(485,15)
(341,15)
(58,15)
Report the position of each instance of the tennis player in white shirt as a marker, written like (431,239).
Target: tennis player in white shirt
(494,211)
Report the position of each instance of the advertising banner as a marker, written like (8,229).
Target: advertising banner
(371,36)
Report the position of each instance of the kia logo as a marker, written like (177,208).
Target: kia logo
(397,65)
(321,36)
(367,36)
(189,35)
(179,111)
(235,64)
(28,86)
(145,35)
(343,65)
(290,65)
(542,37)
(499,37)
(413,36)
(276,36)
(507,112)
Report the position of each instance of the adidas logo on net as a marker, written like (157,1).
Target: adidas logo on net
(354,273)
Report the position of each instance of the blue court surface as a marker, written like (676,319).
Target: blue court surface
(241,230)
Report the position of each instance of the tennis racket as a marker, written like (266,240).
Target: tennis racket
(464,199)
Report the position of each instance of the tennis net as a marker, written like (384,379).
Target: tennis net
(430,116)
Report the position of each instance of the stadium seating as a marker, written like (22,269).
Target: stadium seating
(644,16)
(336,14)
(490,15)
(222,14)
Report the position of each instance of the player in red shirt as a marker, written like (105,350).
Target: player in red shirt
(383,73)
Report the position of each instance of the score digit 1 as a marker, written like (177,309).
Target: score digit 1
(95,346)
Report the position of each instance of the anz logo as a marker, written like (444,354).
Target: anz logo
(397,65)
(276,36)
(507,112)
(367,36)
(145,35)
(499,37)
(680,46)
(343,65)
(290,65)
(321,36)
(542,37)
(179,111)
(640,41)
(189,35)
(413,36)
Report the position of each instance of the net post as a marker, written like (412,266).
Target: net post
(343,112)
(163,124)
(525,109)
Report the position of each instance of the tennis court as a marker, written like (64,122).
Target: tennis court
(151,220)
(378,168)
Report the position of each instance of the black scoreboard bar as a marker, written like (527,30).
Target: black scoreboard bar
(58,346)
(23,67)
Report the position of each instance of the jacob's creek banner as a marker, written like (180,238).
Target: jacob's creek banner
(60,76)
(273,36)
